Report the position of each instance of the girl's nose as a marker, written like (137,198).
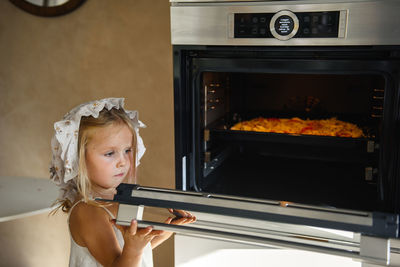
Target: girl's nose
(121,161)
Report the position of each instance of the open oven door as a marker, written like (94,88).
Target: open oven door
(367,237)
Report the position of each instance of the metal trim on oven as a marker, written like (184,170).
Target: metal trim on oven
(371,22)
(184,186)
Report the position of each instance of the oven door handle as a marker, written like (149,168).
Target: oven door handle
(368,223)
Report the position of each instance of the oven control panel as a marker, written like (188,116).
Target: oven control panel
(285,25)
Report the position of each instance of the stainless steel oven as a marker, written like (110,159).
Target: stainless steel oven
(235,61)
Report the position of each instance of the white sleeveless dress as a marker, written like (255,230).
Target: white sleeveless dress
(81,257)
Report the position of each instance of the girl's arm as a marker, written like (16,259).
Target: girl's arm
(91,227)
(135,242)
(158,240)
(183,217)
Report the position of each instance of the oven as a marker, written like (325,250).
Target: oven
(351,75)
(286,63)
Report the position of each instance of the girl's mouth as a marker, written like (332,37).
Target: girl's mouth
(120,174)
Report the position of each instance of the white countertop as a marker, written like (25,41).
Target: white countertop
(24,196)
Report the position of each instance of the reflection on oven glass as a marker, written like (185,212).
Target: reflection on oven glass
(168,216)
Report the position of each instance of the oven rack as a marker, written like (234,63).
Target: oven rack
(358,150)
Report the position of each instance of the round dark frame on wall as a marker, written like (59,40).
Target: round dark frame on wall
(48,11)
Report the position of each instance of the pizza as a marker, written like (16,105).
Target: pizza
(297,126)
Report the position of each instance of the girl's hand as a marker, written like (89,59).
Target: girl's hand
(182,217)
(136,238)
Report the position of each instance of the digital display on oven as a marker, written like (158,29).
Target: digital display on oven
(285,25)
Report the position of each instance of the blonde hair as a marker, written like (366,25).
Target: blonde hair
(87,126)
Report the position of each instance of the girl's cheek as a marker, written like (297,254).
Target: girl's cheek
(107,159)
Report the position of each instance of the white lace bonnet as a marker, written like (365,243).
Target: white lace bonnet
(64,144)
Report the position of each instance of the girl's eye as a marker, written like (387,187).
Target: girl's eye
(109,154)
(129,150)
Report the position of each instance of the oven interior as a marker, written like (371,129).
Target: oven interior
(330,171)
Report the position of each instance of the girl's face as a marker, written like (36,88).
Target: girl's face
(109,154)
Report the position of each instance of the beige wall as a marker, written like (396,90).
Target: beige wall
(49,65)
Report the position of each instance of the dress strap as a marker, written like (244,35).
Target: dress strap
(73,206)
(109,212)
(76,203)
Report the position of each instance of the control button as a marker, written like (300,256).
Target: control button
(263,31)
(284,25)
(315,19)
(255,20)
(263,19)
(254,30)
(306,19)
(314,31)
(331,20)
(306,31)
(324,19)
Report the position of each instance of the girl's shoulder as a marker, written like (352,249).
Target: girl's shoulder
(86,218)
(93,211)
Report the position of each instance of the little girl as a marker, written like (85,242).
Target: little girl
(96,147)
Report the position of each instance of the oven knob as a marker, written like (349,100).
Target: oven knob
(284,25)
